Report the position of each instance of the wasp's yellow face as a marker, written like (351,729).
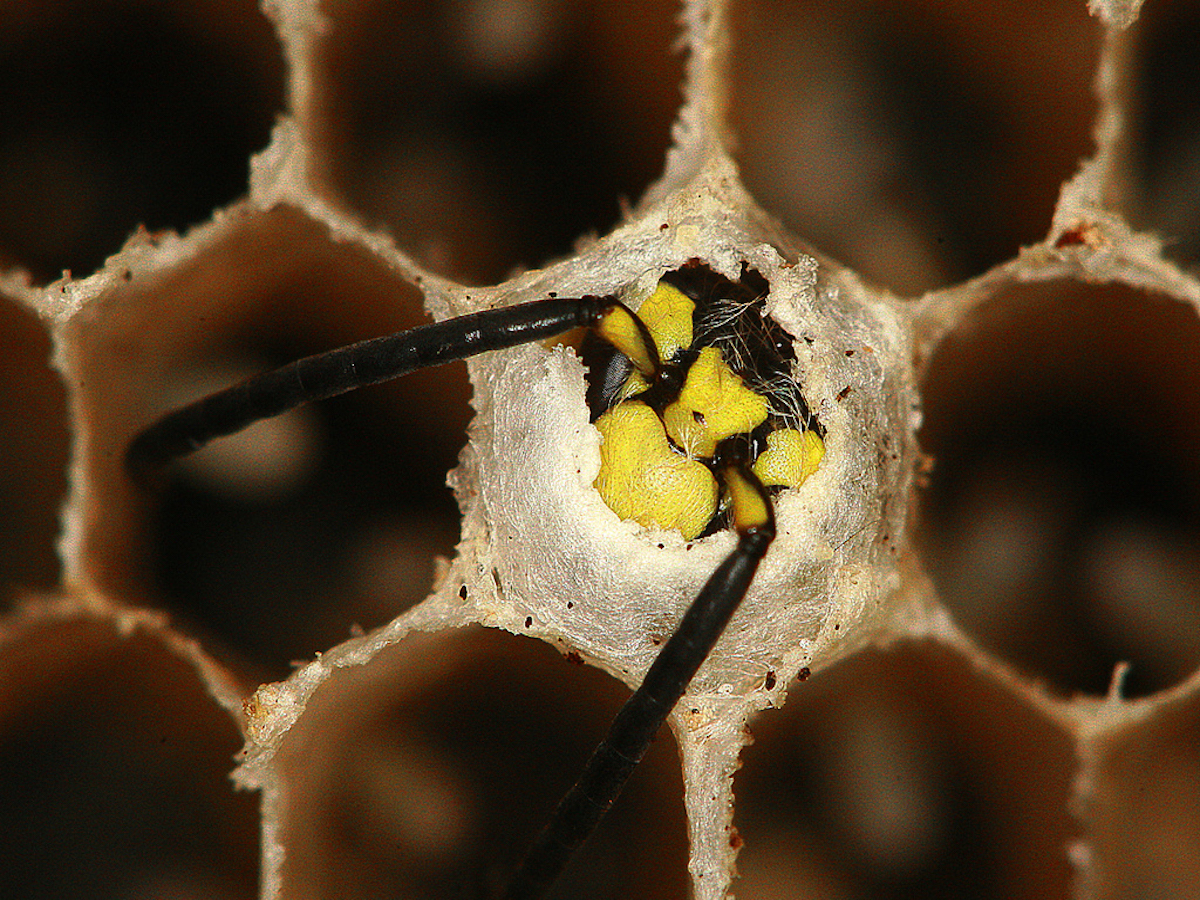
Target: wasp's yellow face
(658,451)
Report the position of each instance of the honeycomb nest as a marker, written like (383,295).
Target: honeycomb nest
(983,611)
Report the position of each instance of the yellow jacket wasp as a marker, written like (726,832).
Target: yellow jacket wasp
(702,419)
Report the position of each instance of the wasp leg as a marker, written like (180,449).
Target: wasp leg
(639,720)
(356,365)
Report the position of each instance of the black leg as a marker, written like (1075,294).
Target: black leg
(639,720)
(357,365)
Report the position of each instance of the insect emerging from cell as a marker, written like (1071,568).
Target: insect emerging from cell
(719,384)
(702,421)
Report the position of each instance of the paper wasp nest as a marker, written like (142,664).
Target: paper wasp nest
(983,610)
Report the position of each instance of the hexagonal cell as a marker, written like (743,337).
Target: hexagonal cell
(1165,151)
(114,768)
(920,143)
(1143,794)
(280,539)
(490,135)
(1061,522)
(33,452)
(427,773)
(119,114)
(901,774)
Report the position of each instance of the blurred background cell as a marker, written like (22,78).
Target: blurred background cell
(116,114)
(489,135)
(918,143)
(1141,803)
(1164,146)
(114,768)
(280,541)
(33,454)
(1060,522)
(427,773)
(904,773)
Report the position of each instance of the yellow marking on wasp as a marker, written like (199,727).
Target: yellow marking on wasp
(633,385)
(790,457)
(620,328)
(713,405)
(644,479)
(667,314)
(750,506)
